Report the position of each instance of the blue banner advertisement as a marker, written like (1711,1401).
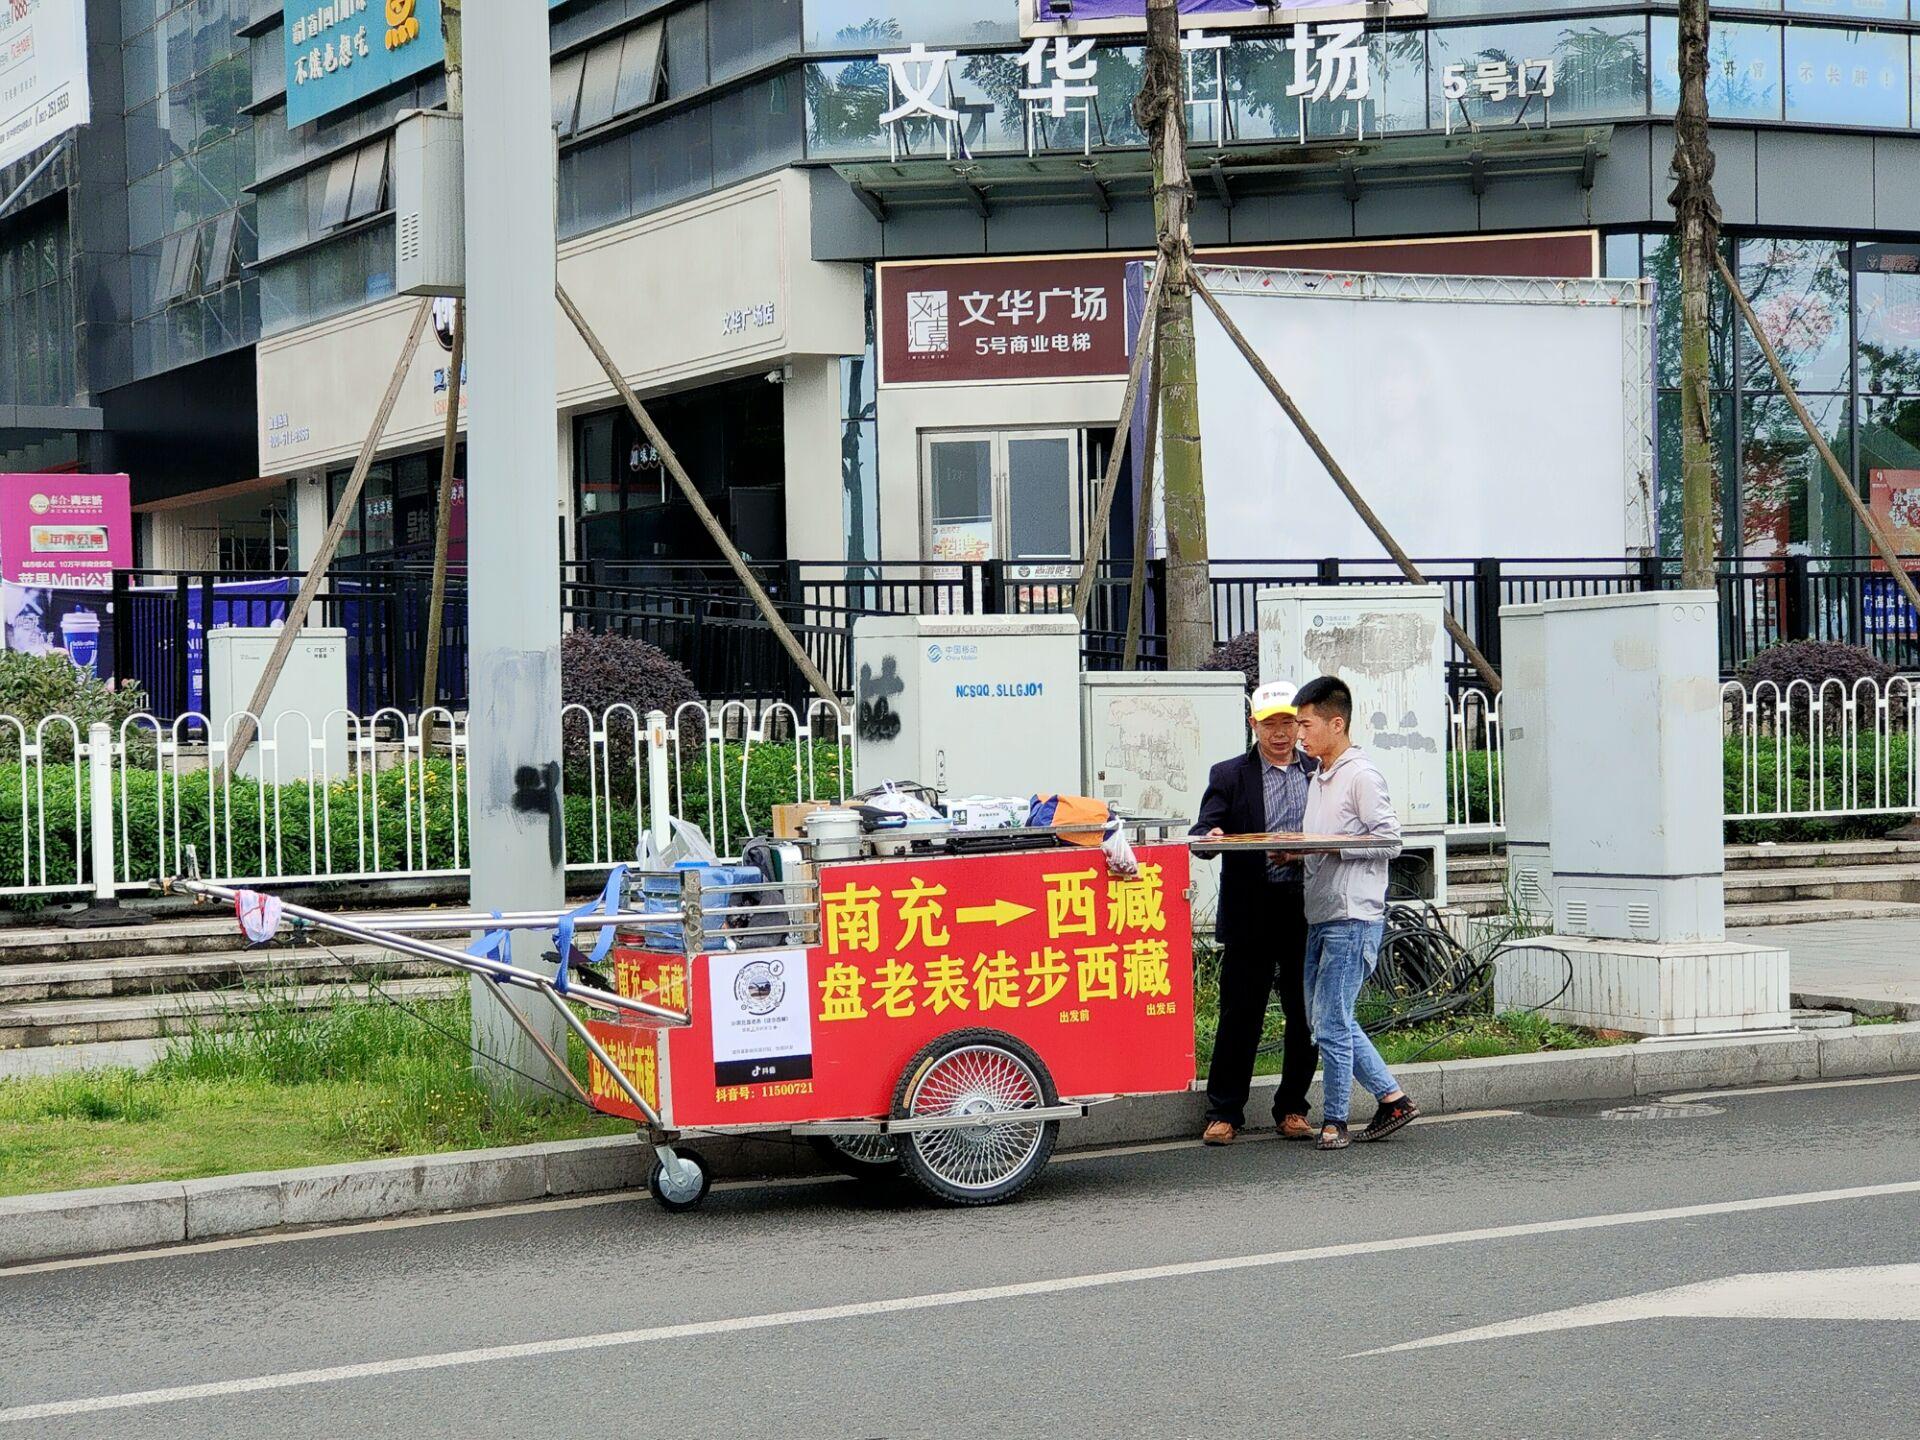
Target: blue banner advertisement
(342,50)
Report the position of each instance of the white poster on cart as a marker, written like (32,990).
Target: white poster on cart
(762,1021)
(43,73)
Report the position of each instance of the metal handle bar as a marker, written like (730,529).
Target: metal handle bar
(496,970)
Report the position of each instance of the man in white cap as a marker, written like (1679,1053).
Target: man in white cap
(1262,923)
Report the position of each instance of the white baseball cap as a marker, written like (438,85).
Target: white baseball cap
(1275,698)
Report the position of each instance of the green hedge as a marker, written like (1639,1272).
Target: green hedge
(1481,767)
(308,817)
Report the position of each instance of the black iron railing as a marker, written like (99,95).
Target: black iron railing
(700,613)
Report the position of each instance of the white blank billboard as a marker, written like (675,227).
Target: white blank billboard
(43,73)
(1477,417)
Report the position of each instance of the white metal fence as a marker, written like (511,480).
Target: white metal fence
(1822,752)
(384,803)
(1796,752)
(349,797)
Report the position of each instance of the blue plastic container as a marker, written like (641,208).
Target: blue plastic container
(660,894)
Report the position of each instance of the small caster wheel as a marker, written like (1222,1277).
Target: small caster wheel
(683,1184)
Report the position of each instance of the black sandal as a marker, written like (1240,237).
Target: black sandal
(1333,1136)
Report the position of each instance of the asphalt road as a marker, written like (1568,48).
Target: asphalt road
(1163,1291)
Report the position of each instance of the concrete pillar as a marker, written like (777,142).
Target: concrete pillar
(816,507)
(514,596)
(310,516)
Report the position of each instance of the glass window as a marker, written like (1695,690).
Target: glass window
(687,50)
(376,505)
(639,69)
(671,159)
(593,185)
(1743,79)
(1799,290)
(745,34)
(1667,464)
(1889,463)
(1039,497)
(1789,504)
(1887,317)
(338,195)
(1846,77)
(565,81)
(870,24)
(1662,266)
(369,182)
(1598,70)
(599,83)
(756,128)
(960,475)
(1870,9)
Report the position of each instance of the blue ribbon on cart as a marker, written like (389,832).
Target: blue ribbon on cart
(493,945)
(608,903)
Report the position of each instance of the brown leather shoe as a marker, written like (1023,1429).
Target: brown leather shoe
(1295,1127)
(1218,1132)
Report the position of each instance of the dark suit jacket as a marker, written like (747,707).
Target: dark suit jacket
(1236,802)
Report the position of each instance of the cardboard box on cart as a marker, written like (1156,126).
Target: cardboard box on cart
(1094,973)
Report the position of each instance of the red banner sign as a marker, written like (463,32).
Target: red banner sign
(1092,971)
(1064,318)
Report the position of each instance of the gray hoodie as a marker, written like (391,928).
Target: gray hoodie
(1349,797)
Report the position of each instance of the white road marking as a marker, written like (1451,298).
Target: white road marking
(579,1202)
(1796,1085)
(413,1364)
(1868,1292)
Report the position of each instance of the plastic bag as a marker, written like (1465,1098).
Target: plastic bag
(687,843)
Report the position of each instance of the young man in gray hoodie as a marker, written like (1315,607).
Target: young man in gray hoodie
(1346,903)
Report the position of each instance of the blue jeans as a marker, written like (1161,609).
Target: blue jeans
(1340,956)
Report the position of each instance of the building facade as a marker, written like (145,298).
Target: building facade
(756,198)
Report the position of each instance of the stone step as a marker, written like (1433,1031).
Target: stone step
(168,974)
(1823,853)
(208,931)
(1808,912)
(85,1022)
(1888,882)
(1822,1019)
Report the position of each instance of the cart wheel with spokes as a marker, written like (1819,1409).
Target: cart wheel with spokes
(975,1072)
(864,1157)
(685,1184)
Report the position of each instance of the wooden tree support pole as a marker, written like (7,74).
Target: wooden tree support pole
(296,616)
(1096,534)
(1142,530)
(1354,498)
(1882,542)
(788,641)
(442,529)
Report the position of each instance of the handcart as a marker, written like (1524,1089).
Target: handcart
(934,1013)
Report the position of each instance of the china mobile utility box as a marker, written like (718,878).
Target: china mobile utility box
(968,704)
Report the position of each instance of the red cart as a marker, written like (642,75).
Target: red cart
(936,1013)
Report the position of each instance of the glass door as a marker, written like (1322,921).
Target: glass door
(1009,495)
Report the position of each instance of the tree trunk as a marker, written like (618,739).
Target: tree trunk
(1697,214)
(450,19)
(1163,116)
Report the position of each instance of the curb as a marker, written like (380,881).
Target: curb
(75,1223)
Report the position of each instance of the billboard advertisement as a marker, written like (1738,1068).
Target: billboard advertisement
(61,539)
(43,73)
(1065,317)
(1129,17)
(345,50)
(65,531)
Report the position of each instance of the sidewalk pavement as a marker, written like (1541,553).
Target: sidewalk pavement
(1872,966)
